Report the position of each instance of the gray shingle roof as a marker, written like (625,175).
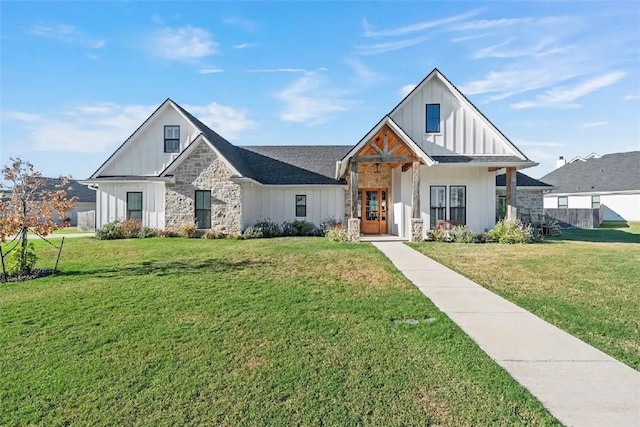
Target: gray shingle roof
(611,172)
(522,180)
(478,159)
(73,189)
(294,164)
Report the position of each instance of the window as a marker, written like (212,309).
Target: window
(134,205)
(301,205)
(458,204)
(501,212)
(595,202)
(438,204)
(563,202)
(203,208)
(433,118)
(172,139)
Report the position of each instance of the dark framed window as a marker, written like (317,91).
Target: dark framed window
(301,205)
(563,202)
(172,139)
(203,208)
(437,204)
(501,211)
(595,202)
(433,118)
(458,204)
(134,205)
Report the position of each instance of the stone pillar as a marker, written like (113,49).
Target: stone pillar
(354,190)
(416,230)
(353,229)
(511,179)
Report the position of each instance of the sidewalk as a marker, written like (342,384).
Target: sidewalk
(578,384)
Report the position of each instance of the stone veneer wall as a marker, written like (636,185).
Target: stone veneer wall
(527,201)
(203,170)
(367,178)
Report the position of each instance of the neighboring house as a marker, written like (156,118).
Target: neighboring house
(85,198)
(433,157)
(529,197)
(610,182)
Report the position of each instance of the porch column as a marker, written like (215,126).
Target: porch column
(416,221)
(353,224)
(511,194)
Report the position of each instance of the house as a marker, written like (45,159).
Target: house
(433,157)
(529,195)
(610,182)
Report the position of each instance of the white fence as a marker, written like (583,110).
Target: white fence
(87,221)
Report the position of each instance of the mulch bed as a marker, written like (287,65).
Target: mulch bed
(35,274)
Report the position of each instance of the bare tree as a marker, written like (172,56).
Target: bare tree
(30,204)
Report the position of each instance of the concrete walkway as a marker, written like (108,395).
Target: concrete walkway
(578,384)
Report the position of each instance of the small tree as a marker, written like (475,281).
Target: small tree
(30,205)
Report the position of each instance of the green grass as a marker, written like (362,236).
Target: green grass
(586,282)
(263,332)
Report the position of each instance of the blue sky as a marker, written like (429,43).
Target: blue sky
(77,78)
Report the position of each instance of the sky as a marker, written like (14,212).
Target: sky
(77,78)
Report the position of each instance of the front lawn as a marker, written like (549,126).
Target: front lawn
(296,331)
(586,282)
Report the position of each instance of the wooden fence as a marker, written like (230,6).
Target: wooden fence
(87,221)
(575,218)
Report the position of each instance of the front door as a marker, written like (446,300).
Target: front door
(374,210)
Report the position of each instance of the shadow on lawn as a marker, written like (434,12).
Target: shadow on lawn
(167,268)
(600,235)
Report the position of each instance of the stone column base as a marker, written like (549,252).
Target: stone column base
(353,228)
(416,230)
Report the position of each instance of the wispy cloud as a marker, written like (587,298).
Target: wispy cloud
(363,74)
(182,44)
(406,89)
(285,70)
(228,121)
(373,49)
(311,101)
(419,26)
(242,23)
(565,96)
(505,49)
(210,70)
(103,126)
(592,124)
(490,24)
(630,97)
(245,45)
(68,34)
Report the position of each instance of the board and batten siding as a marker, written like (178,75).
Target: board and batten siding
(480,196)
(144,153)
(462,129)
(278,204)
(615,207)
(111,201)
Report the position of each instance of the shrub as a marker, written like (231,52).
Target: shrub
(268,228)
(214,234)
(437,235)
(252,233)
(480,238)
(167,233)
(12,261)
(337,233)
(129,228)
(147,232)
(461,234)
(329,223)
(305,228)
(188,229)
(288,229)
(109,231)
(508,231)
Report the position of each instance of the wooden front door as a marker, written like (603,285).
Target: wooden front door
(374,210)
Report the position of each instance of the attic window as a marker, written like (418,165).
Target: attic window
(172,139)
(433,118)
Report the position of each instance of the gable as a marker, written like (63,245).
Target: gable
(464,130)
(142,154)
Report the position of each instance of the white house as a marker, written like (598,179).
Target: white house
(432,157)
(610,182)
